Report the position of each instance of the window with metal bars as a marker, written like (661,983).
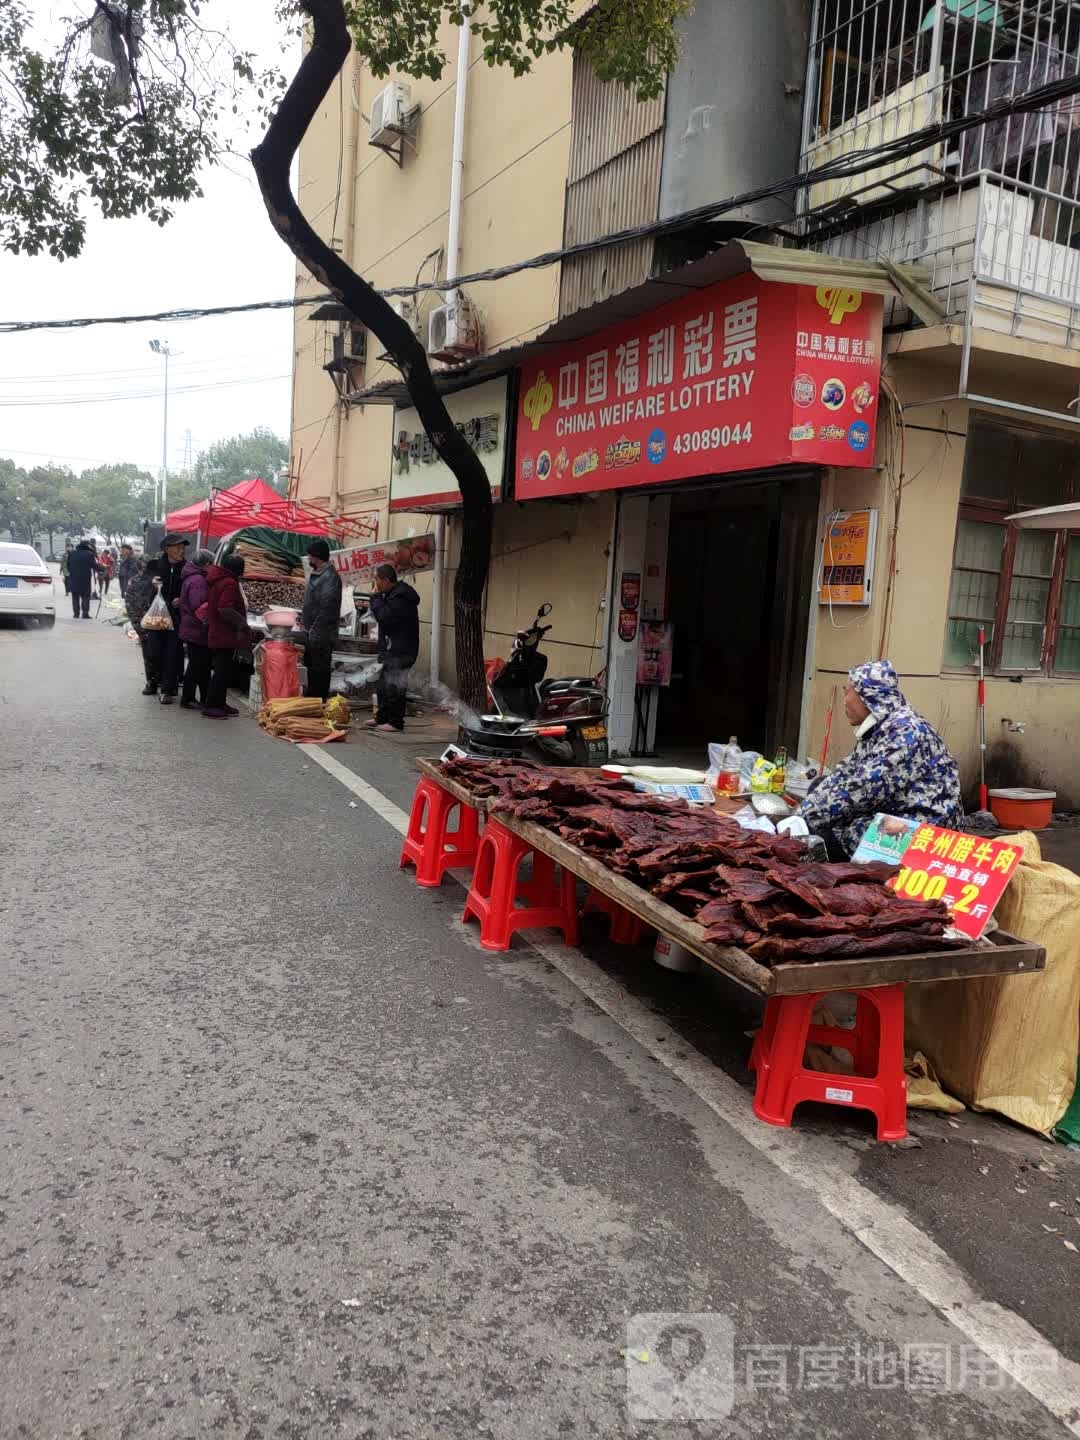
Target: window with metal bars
(1020,587)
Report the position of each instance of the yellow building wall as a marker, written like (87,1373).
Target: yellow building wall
(391,224)
(1048,752)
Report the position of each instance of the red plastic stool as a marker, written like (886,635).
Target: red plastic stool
(877,1049)
(429,844)
(623,928)
(497,887)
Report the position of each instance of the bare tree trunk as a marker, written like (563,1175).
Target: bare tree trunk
(320,67)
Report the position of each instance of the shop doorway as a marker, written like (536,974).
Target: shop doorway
(740,575)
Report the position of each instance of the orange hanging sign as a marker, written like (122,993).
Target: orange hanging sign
(967,872)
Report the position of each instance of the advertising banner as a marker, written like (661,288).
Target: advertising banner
(968,873)
(418,478)
(738,376)
(847,558)
(356,566)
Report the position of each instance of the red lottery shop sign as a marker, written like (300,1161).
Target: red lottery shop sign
(969,874)
(739,376)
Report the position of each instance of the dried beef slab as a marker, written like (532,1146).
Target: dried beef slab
(929,922)
(774,950)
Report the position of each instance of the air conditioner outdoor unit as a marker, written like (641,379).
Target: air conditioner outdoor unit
(404,310)
(388,115)
(350,345)
(454,330)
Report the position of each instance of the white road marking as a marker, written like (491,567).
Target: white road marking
(1010,1340)
(360,788)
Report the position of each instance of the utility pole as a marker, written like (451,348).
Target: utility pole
(161,347)
(189,451)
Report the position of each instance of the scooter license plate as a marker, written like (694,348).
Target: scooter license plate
(594,732)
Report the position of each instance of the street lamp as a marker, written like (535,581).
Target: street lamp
(161,347)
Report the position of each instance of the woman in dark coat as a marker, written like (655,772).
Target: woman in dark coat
(194,595)
(227,631)
(137,599)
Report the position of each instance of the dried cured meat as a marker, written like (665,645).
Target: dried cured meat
(741,886)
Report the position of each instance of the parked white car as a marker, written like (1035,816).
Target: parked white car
(26,584)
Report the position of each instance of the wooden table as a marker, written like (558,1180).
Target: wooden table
(1005,955)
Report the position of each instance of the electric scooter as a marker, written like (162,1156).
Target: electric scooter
(557,722)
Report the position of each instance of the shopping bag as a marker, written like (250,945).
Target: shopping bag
(157,616)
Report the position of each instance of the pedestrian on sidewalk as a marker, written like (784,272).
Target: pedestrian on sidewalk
(227,631)
(166,649)
(81,578)
(106,565)
(194,598)
(140,591)
(321,619)
(395,607)
(125,570)
(65,561)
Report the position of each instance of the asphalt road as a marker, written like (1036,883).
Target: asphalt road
(285,1154)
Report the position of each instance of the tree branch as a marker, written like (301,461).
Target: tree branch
(272,158)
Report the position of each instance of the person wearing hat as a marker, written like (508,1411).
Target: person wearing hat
(166,650)
(321,619)
(900,766)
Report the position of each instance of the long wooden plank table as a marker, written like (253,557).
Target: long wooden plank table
(1004,955)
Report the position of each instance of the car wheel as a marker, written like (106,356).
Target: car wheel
(46,621)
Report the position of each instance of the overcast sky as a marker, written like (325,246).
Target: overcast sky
(88,397)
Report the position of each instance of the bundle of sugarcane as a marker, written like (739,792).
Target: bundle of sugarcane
(274,713)
(300,730)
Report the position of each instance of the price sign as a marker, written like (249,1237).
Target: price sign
(968,873)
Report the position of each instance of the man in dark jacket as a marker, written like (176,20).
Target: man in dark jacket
(80,578)
(125,571)
(321,619)
(167,652)
(395,607)
(226,631)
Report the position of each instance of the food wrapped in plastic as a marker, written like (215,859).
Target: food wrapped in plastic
(157,616)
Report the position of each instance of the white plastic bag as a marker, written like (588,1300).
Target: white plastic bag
(157,616)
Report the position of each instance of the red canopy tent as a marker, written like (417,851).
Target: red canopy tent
(253,502)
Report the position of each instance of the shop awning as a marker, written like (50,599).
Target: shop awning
(1052,517)
(907,283)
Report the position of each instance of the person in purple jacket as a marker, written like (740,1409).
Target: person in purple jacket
(194,595)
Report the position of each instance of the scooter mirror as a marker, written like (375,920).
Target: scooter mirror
(545,609)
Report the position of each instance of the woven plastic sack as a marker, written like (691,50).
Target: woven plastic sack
(279,667)
(1009,1043)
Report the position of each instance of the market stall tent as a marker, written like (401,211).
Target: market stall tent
(254,502)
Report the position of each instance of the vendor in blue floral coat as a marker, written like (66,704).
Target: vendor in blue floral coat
(900,765)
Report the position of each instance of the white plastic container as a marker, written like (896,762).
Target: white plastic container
(673,956)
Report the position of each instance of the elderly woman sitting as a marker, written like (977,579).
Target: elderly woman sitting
(900,765)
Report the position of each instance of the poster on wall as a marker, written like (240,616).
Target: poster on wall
(847,558)
(737,376)
(627,625)
(630,590)
(655,652)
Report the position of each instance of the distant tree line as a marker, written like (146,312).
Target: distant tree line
(53,501)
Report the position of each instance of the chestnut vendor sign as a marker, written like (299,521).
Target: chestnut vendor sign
(738,376)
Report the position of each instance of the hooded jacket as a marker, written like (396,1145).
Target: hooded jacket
(222,633)
(194,591)
(81,565)
(900,766)
(398,618)
(322,608)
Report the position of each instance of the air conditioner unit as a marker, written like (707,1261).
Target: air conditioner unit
(404,310)
(454,330)
(350,345)
(388,115)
